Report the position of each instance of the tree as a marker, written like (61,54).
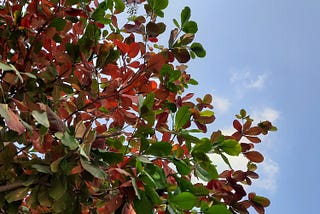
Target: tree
(94,116)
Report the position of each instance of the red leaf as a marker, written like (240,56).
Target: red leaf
(237,136)
(187,97)
(100,129)
(254,156)
(253,131)
(134,64)
(246,146)
(134,49)
(153,39)
(155,63)
(14,122)
(247,125)
(36,141)
(253,139)
(112,205)
(237,125)
(123,47)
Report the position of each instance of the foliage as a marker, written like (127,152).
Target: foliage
(95,118)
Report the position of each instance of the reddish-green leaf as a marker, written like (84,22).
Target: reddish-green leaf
(181,54)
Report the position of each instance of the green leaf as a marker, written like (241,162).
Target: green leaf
(159,149)
(41,117)
(110,157)
(17,194)
(29,75)
(190,27)
(153,195)
(182,167)
(221,209)
(176,23)
(67,140)
(185,15)
(198,49)
(161,4)
(54,166)
(58,187)
(92,169)
(206,113)
(203,146)
(119,5)
(156,175)
(182,117)
(231,147)
(135,187)
(184,200)
(42,168)
(4,111)
(206,172)
(58,23)
(143,206)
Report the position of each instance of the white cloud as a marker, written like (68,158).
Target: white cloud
(266,113)
(245,79)
(221,104)
(268,171)
(258,82)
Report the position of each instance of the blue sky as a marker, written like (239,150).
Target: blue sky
(264,56)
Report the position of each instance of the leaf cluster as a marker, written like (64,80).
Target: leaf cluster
(94,117)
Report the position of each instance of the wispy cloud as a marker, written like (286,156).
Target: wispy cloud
(268,172)
(266,113)
(246,79)
(221,104)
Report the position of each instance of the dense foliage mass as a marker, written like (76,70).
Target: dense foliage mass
(94,117)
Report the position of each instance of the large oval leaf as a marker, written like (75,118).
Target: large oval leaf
(184,200)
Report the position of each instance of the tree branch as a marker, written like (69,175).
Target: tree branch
(8,187)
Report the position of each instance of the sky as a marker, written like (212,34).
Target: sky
(264,56)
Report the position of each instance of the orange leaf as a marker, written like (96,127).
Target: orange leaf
(254,156)
(76,170)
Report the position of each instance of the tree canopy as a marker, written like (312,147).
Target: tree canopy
(95,116)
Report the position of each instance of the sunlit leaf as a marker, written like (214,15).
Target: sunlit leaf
(231,147)
(184,200)
(67,140)
(41,117)
(182,117)
(221,209)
